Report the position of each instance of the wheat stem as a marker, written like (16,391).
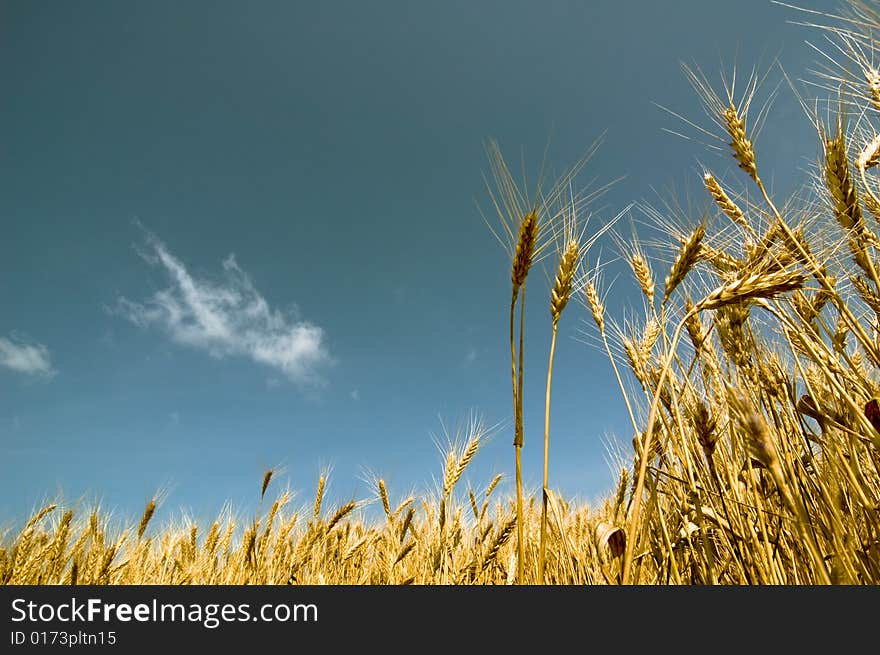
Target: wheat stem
(546,486)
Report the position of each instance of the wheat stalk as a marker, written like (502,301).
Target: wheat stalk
(559,297)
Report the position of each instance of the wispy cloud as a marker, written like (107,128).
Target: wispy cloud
(23,357)
(230,318)
(470,357)
(355,394)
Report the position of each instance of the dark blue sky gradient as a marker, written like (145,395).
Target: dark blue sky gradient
(336,148)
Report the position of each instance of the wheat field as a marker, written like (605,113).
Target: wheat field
(750,382)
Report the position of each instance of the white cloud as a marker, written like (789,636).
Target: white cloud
(470,357)
(228,319)
(30,358)
(355,394)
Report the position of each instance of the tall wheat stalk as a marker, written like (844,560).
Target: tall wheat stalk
(525,248)
(524,228)
(559,296)
(571,249)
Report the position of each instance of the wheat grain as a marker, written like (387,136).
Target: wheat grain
(562,284)
(383,494)
(751,287)
(644,277)
(730,208)
(688,255)
(267,477)
(145,518)
(524,254)
(596,307)
(319,497)
(743,151)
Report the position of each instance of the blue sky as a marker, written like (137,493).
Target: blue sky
(245,235)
